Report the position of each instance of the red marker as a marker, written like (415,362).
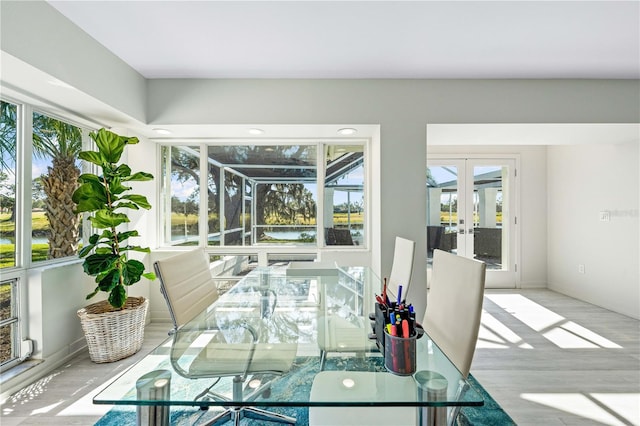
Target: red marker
(405,328)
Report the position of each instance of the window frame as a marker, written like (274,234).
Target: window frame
(320,144)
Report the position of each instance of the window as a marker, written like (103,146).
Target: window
(181,195)
(39,169)
(8,323)
(344,192)
(55,228)
(266,195)
(8,214)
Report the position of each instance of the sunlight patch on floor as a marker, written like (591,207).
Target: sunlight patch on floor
(493,334)
(555,328)
(626,405)
(588,406)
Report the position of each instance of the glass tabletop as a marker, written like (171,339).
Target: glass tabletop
(292,337)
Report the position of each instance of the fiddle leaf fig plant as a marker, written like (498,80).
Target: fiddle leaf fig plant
(108,196)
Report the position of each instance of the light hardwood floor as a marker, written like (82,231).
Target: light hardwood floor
(546,358)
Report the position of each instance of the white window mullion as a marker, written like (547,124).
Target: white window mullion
(320,202)
(203,211)
(24,198)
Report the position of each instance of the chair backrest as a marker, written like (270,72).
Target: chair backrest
(186,284)
(454,306)
(402,267)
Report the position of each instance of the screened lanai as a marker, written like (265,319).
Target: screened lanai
(270,194)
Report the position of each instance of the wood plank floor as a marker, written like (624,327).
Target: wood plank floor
(546,358)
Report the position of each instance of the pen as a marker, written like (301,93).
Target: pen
(405,328)
(399,294)
(384,290)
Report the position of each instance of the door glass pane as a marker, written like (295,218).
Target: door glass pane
(8,212)
(489,209)
(344,195)
(442,209)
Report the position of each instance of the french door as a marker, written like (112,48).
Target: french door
(471,211)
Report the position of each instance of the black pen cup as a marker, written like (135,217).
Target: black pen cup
(380,321)
(400,354)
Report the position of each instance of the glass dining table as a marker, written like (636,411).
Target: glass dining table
(289,337)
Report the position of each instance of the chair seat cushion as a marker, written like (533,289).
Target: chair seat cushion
(220,359)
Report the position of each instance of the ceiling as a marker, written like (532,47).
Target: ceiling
(353,39)
(367,39)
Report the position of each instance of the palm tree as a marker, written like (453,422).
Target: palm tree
(61,142)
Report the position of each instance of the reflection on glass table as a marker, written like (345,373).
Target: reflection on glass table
(264,334)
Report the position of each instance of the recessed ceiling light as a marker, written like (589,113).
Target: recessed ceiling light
(347,131)
(256,131)
(162,131)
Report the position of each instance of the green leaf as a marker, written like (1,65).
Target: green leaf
(93,293)
(150,276)
(122,236)
(104,250)
(136,248)
(88,194)
(109,281)
(140,200)
(109,144)
(116,186)
(131,271)
(126,205)
(89,177)
(85,250)
(122,171)
(118,297)
(107,219)
(92,157)
(139,176)
(98,263)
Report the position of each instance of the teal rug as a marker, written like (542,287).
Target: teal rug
(490,414)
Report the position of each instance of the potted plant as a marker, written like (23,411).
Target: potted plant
(114,328)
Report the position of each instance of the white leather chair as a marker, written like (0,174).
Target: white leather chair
(452,320)
(335,334)
(188,288)
(402,267)
(186,284)
(454,306)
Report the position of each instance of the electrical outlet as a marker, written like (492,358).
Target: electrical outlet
(581,268)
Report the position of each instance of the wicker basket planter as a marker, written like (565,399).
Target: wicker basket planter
(113,335)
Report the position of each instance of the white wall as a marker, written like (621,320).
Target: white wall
(583,181)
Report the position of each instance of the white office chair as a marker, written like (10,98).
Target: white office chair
(402,267)
(188,288)
(454,306)
(452,320)
(186,284)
